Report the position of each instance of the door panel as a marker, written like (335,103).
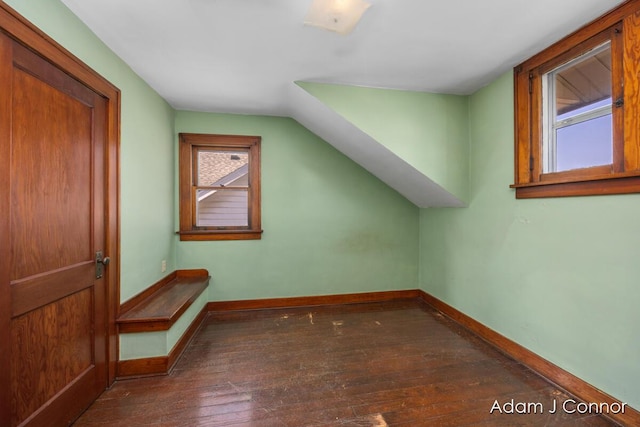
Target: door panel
(63,326)
(58,324)
(51,187)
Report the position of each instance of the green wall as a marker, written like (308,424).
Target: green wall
(330,227)
(558,276)
(138,345)
(147,148)
(427,130)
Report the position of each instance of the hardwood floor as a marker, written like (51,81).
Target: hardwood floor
(395,363)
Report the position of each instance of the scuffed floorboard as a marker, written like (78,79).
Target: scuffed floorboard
(379,364)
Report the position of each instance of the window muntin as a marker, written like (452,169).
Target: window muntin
(219,187)
(577,112)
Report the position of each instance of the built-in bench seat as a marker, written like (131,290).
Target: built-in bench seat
(157,309)
(163,304)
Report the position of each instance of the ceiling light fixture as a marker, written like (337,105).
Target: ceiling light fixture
(340,16)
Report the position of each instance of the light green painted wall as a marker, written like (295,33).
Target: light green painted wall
(147,148)
(330,227)
(184,322)
(427,130)
(138,345)
(558,276)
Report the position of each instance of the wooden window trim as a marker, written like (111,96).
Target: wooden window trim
(188,144)
(622,27)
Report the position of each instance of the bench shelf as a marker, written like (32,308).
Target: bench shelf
(160,306)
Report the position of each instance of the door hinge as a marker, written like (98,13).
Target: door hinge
(530,83)
(530,163)
(619,102)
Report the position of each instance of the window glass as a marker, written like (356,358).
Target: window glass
(218,201)
(578,118)
(216,168)
(222,208)
(585,144)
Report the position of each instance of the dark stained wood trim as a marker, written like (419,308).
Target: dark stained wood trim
(161,365)
(188,230)
(194,272)
(138,298)
(584,174)
(23,31)
(143,295)
(262,304)
(146,367)
(631,90)
(521,125)
(112,241)
(159,310)
(543,367)
(202,235)
(5,227)
(620,144)
(616,185)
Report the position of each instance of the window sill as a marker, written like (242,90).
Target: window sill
(623,183)
(205,235)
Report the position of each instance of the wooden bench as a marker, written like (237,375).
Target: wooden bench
(157,309)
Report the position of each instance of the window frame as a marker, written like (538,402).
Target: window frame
(621,27)
(190,144)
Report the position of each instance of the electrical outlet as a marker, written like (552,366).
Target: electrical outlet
(163,268)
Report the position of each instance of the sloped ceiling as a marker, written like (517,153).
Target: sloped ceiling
(244,56)
(355,143)
(422,137)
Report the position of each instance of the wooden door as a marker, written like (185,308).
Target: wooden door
(55,324)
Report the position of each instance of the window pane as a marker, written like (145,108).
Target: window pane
(583,82)
(222,208)
(584,144)
(578,123)
(223,168)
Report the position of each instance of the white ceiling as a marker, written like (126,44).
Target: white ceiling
(242,56)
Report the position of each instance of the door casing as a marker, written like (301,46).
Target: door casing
(21,30)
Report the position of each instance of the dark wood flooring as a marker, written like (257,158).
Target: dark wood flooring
(396,363)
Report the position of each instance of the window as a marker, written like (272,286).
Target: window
(577,114)
(577,105)
(219,187)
